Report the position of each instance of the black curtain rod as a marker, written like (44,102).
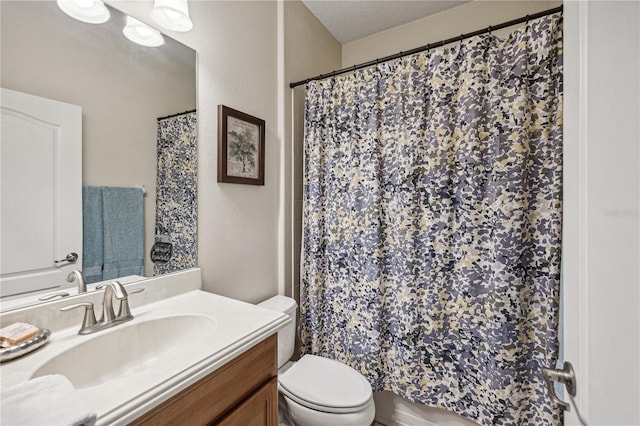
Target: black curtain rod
(176,115)
(430,46)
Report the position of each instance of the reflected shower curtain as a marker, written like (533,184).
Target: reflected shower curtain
(432,222)
(177,196)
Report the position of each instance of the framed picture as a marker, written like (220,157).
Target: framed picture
(240,147)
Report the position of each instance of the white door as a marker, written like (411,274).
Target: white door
(601,255)
(41,192)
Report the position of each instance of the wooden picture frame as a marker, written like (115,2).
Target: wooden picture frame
(240,147)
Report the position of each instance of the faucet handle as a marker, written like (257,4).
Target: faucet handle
(89,319)
(54,295)
(124,311)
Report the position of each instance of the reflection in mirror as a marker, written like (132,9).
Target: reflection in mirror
(135,132)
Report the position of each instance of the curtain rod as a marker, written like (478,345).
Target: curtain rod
(176,115)
(430,46)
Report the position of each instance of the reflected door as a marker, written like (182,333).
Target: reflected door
(41,198)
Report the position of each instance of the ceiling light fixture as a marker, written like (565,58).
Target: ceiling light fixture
(172,15)
(89,11)
(142,34)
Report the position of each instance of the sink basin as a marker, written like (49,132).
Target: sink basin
(137,348)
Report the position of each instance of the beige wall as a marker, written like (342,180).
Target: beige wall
(467,18)
(244,232)
(236,43)
(120,101)
(309,50)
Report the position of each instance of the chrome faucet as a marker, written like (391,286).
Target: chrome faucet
(109,317)
(116,289)
(77,275)
(74,275)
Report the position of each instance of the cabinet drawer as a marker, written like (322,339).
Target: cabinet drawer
(210,398)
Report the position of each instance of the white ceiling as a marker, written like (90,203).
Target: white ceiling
(350,20)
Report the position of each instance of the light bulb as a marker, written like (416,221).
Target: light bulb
(85,3)
(89,11)
(172,15)
(142,34)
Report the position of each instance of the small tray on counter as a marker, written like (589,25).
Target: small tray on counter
(25,347)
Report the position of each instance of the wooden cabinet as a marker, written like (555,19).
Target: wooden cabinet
(242,392)
(258,410)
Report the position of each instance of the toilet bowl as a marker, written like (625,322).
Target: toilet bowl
(317,391)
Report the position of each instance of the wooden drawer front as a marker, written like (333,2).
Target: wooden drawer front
(210,398)
(260,409)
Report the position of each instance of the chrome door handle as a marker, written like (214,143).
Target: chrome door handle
(70,258)
(565,376)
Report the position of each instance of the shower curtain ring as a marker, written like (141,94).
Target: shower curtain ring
(490,30)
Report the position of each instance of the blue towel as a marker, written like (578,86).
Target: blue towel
(92,233)
(123,232)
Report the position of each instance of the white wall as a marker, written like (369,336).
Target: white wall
(245,232)
(238,230)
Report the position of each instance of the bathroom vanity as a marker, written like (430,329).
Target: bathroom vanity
(242,392)
(187,357)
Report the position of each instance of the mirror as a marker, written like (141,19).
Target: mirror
(123,89)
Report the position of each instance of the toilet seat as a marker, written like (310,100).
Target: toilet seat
(326,385)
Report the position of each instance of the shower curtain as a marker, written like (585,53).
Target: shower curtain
(177,190)
(432,223)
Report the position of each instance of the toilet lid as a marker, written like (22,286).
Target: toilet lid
(326,385)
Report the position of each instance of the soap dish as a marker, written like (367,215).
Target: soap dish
(25,347)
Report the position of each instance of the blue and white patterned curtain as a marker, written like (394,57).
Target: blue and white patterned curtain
(432,224)
(177,194)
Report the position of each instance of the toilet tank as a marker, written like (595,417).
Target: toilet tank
(287,334)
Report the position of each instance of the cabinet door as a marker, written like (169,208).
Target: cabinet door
(260,409)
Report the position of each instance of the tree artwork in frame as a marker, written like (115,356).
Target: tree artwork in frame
(240,147)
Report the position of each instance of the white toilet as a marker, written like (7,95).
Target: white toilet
(317,391)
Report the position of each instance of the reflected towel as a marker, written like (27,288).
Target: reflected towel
(46,400)
(92,233)
(123,232)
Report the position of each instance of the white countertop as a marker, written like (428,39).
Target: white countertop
(235,327)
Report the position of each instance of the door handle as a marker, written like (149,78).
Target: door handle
(70,258)
(565,376)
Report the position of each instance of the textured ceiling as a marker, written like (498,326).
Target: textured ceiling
(350,20)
